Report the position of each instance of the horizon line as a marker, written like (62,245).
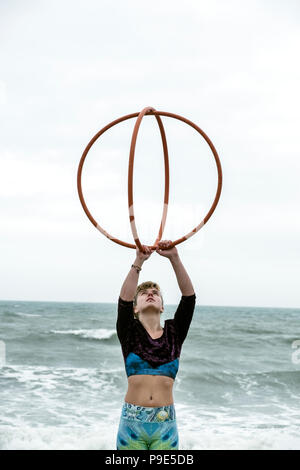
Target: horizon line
(98,302)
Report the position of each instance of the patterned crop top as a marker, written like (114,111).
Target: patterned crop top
(145,355)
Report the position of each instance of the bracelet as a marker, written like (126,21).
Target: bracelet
(136,267)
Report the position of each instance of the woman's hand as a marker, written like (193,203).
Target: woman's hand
(143,255)
(162,249)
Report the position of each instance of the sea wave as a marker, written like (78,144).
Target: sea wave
(98,334)
(20,314)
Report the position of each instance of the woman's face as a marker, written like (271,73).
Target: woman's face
(149,300)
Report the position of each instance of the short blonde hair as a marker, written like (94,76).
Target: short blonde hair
(147,285)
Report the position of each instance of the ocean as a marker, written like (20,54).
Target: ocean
(63,381)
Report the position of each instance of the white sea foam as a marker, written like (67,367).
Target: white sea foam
(100,333)
(194,434)
(25,437)
(238,438)
(51,377)
(22,314)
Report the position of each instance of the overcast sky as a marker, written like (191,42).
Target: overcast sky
(68,68)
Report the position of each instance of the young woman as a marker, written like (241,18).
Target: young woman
(151,354)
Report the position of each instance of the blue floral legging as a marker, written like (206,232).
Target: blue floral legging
(143,427)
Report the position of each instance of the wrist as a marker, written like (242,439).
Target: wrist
(174,258)
(138,262)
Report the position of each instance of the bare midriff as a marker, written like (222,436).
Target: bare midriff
(150,390)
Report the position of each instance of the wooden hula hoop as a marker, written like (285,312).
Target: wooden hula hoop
(149,111)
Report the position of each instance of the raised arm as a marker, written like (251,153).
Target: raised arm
(185,310)
(183,279)
(130,284)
